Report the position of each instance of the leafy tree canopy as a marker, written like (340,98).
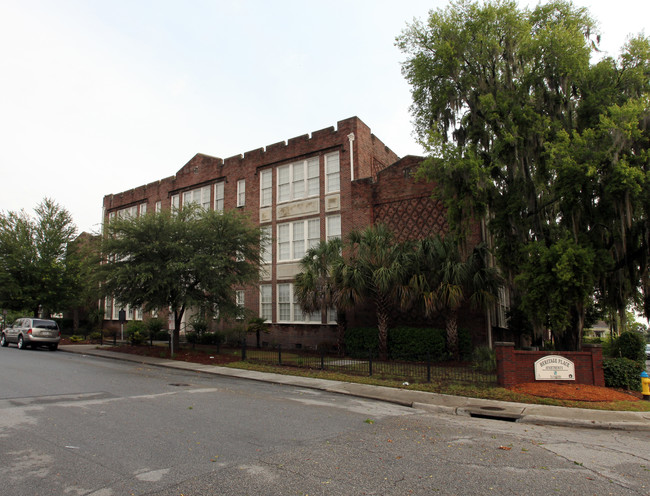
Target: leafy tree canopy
(525,130)
(35,270)
(180,259)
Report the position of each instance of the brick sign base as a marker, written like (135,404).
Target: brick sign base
(518,367)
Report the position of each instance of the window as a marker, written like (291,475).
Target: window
(332,316)
(116,311)
(199,196)
(295,238)
(125,213)
(266,187)
(288,308)
(333,226)
(218,197)
(284,302)
(143,208)
(266,306)
(107,308)
(176,202)
(239,298)
(332,176)
(298,180)
(241,192)
(158,207)
(266,247)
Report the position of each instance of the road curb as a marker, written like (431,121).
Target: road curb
(421,400)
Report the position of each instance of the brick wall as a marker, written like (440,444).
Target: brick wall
(518,367)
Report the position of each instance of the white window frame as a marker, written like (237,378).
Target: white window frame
(158,207)
(143,209)
(219,196)
(128,212)
(266,246)
(266,188)
(332,173)
(116,311)
(332,227)
(298,180)
(266,302)
(287,304)
(107,308)
(287,243)
(199,196)
(241,192)
(176,202)
(240,300)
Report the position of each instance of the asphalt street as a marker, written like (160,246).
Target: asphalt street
(75,424)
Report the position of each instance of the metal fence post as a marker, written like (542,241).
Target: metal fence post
(279,354)
(243,349)
(322,359)
(369,362)
(428,367)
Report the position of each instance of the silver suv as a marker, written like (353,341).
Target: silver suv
(32,332)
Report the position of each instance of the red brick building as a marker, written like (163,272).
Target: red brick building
(307,189)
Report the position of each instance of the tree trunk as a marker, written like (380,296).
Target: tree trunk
(341,326)
(382,324)
(451,326)
(176,334)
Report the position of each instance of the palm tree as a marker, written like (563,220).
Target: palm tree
(373,272)
(315,287)
(443,280)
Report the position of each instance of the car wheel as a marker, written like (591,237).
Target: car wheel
(53,347)
(3,341)
(21,343)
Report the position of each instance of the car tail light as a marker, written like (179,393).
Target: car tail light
(29,331)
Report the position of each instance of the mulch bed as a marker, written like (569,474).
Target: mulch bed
(575,392)
(184,355)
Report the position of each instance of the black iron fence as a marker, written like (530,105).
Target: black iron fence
(468,373)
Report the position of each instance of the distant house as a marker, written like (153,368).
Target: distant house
(599,330)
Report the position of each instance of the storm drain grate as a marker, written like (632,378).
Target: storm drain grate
(493,413)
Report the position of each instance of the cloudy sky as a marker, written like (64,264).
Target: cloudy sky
(100,96)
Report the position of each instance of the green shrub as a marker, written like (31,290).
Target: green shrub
(154,326)
(465,342)
(75,338)
(404,343)
(95,336)
(623,373)
(416,344)
(136,332)
(484,359)
(358,340)
(199,325)
(629,345)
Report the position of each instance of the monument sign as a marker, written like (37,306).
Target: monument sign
(554,368)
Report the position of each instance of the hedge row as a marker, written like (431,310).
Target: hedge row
(405,343)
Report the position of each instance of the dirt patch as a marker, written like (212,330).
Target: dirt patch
(575,392)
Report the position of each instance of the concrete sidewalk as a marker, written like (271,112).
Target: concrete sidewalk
(432,402)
